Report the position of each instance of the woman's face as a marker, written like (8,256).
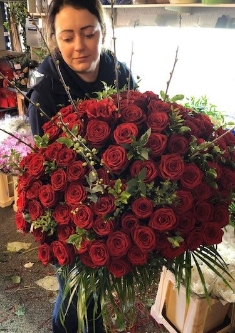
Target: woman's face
(79,38)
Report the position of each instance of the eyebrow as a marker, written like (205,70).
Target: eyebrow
(83,28)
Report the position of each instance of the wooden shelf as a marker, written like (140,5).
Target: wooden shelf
(193,5)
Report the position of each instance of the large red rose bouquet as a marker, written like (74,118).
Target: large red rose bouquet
(119,187)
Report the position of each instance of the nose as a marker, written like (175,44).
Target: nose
(79,43)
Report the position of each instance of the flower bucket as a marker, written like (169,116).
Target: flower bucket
(172,310)
(6,190)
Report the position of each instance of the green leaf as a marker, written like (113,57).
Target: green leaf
(20,311)
(142,189)
(16,279)
(142,174)
(176,98)
(66,141)
(41,142)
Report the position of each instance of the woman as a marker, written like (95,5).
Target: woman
(76,35)
(77,32)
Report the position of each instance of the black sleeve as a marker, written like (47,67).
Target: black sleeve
(42,95)
(36,118)
(125,75)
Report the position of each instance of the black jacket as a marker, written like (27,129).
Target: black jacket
(50,92)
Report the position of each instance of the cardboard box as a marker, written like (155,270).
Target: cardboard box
(197,316)
(6,190)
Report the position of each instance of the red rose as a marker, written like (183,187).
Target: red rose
(186,223)
(228,179)
(221,215)
(171,166)
(84,106)
(52,131)
(99,253)
(64,111)
(115,159)
(158,121)
(144,238)
(178,143)
(86,260)
(47,196)
(61,213)
(159,106)
(104,109)
(229,137)
(64,253)
(216,167)
(21,201)
(44,254)
(83,217)
(35,209)
(130,97)
(161,241)
(124,133)
(129,222)
(103,175)
(192,176)
(24,163)
(184,201)
(64,232)
(150,95)
(203,191)
(24,181)
(65,156)
(205,124)
(119,267)
(157,143)
(203,211)
(163,219)
(33,190)
(118,243)
(39,235)
(104,205)
(212,233)
(103,228)
(75,194)
(21,223)
(142,207)
(97,132)
(75,171)
(52,150)
(83,247)
(171,252)
(58,180)
(194,127)
(131,113)
(36,165)
(149,165)
(72,120)
(136,256)
(194,239)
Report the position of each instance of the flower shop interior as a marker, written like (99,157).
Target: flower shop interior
(150,35)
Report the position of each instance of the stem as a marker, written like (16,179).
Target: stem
(64,128)
(171,74)
(14,136)
(115,55)
(29,250)
(208,144)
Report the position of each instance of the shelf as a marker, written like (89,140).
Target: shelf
(160,5)
(8,109)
